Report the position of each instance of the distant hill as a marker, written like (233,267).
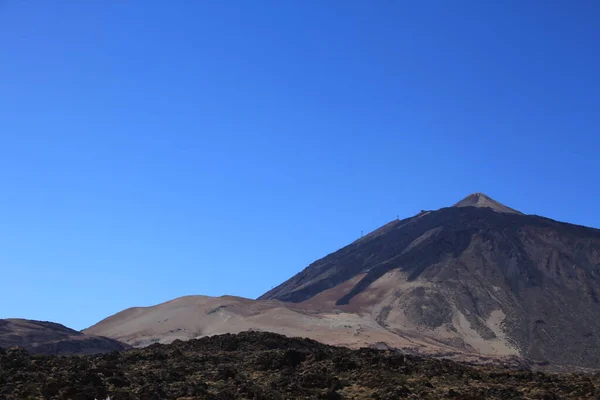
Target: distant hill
(51,338)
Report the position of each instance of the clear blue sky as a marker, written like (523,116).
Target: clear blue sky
(153,149)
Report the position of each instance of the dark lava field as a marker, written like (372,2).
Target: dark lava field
(257,365)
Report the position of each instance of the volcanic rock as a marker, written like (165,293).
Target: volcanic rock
(258,365)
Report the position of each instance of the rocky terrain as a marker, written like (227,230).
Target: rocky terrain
(51,338)
(258,365)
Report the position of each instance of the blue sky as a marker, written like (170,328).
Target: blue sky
(153,149)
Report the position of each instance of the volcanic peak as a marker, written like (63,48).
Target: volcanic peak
(481,200)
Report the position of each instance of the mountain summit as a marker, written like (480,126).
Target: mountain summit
(483,200)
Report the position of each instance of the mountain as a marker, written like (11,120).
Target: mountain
(475,281)
(479,276)
(43,337)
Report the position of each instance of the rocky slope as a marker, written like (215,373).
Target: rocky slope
(478,276)
(264,366)
(52,338)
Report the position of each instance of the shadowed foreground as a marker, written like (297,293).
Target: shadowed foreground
(256,365)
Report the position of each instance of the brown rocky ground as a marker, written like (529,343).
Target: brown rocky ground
(259,365)
(193,317)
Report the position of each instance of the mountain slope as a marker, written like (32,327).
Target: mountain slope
(480,276)
(193,317)
(51,338)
